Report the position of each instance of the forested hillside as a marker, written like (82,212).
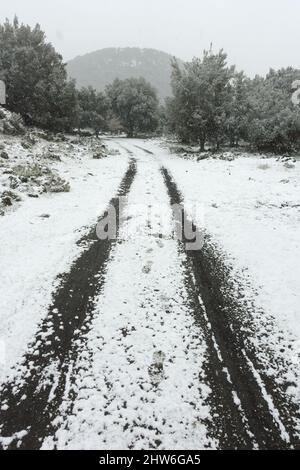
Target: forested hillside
(100,68)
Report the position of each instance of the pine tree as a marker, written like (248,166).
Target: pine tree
(134,102)
(35,77)
(238,109)
(201,92)
(93,109)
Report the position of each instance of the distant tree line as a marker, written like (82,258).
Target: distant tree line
(212,103)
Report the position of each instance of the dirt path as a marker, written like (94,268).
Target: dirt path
(139,385)
(143,346)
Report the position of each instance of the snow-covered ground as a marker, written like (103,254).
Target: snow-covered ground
(138,380)
(38,239)
(251,208)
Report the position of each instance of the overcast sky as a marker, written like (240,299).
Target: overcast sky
(256,34)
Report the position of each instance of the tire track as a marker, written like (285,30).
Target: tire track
(145,150)
(247,416)
(30,403)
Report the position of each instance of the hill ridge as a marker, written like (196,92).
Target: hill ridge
(100,67)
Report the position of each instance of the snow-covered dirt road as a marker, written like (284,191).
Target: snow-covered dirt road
(145,345)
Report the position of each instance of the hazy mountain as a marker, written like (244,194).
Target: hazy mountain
(101,67)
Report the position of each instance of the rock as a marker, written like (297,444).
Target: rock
(31,139)
(6,201)
(156,369)
(203,156)
(26,145)
(2,113)
(8,128)
(14,182)
(44,216)
(286,158)
(227,156)
(4,155)
(8,197)
(55,157)
(99,153)
(289,165)
(52,156)
(33,195)
(70,147)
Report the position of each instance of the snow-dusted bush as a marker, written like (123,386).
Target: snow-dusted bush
(37,179)
(11,123)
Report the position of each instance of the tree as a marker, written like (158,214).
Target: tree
(134,102)
(36,77)
(274,123)
(212,103)
(202,92)
(179,108)
(93,109)
(238,110)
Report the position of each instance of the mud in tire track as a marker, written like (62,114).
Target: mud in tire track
(31,401)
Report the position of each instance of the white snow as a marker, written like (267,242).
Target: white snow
(252,211)
(35,250)
(139,378)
